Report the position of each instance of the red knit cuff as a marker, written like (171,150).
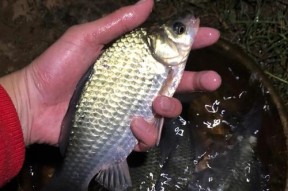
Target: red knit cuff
(12,147)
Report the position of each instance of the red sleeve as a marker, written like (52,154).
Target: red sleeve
(12,147)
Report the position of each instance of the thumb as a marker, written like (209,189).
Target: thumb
(104,30)
(76,50)
(130,17)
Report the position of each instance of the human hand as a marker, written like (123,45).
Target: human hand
(41,91)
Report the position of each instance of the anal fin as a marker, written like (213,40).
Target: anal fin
(116,177)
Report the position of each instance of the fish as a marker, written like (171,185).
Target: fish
(177,154)
(122,84)
(169,165)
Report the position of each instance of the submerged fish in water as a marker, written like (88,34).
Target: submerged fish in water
(121,85)
(168,166)
(226,155)
(192,158)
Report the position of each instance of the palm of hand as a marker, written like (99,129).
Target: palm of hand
(50,80)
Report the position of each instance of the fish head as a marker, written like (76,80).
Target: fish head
(171,42)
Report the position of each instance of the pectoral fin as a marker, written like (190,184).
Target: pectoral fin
(116,177)
(158,123)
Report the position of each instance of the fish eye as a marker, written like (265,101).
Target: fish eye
(179,28)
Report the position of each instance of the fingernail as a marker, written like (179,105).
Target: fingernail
(210,80)
(140,2)
(165,104)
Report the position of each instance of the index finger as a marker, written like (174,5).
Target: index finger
(103,30)
(206,36)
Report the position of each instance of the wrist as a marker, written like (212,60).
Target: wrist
(16,85)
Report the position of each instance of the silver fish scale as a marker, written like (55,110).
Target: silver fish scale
(124,82)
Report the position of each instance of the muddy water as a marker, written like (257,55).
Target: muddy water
(244,86)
